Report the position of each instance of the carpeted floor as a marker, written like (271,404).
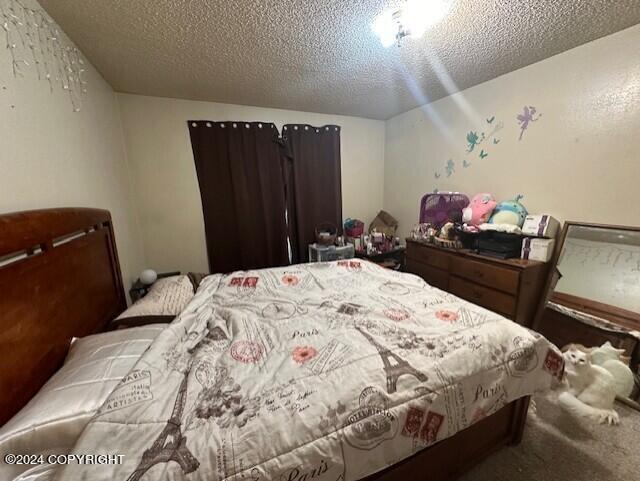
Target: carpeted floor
(557,448)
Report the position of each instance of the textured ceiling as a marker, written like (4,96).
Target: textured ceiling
(321,56)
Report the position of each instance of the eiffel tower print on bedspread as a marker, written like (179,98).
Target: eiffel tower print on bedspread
(171,444)
(393,371)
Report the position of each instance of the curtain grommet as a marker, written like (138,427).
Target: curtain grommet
(222,125)
(235,126)
(194,124)
(208,124)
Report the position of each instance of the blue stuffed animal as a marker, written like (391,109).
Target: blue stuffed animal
(509,212)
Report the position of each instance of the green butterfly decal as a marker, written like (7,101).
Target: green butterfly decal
(495,141)
(450,167)
(472,140)
(489,121)
(483,154)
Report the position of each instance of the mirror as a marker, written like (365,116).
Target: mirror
(594,296)
(601,264)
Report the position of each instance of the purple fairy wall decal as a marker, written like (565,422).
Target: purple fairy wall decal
(527,116)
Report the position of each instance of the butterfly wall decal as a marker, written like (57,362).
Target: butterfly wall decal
(450,167)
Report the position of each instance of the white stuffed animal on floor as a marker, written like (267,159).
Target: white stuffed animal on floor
(613,360)
(591,388)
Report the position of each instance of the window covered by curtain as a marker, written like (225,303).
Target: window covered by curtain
(313,180)
(239,168)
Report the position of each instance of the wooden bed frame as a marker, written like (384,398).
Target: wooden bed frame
(60,278)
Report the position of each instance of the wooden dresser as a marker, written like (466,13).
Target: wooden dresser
(510,287)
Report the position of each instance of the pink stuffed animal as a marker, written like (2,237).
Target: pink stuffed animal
(479,210)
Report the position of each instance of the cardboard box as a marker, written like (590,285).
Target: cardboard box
(536,249)
(385,223)
(541,225)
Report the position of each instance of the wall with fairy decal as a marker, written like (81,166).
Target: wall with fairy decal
(61,141)
(560,132)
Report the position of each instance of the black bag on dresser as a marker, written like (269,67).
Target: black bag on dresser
(499,244)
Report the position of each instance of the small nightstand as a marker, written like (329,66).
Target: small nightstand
(320,253)
(139,290)
(392,259)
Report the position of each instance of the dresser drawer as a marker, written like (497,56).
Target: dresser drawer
(432,276)
(430,256)
(497,277)
(496,301)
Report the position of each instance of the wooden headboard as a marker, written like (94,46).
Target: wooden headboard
(59,278)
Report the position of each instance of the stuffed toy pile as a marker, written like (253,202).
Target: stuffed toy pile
(510,212)
(478,211)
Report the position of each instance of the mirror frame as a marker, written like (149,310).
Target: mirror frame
(617,315)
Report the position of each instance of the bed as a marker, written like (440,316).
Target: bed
(363,373)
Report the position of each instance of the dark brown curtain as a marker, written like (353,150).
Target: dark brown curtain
(239,167)
(312,172)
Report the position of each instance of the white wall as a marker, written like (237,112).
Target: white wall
(579,161)
(51,156)
(164,177)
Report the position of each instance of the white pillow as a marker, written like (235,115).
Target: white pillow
(168,296)
(40,472)
(53,420)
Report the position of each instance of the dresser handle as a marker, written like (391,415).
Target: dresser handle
(479,273)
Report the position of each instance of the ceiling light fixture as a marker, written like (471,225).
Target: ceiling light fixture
(412,18)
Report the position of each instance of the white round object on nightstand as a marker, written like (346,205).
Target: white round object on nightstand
(148,276)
